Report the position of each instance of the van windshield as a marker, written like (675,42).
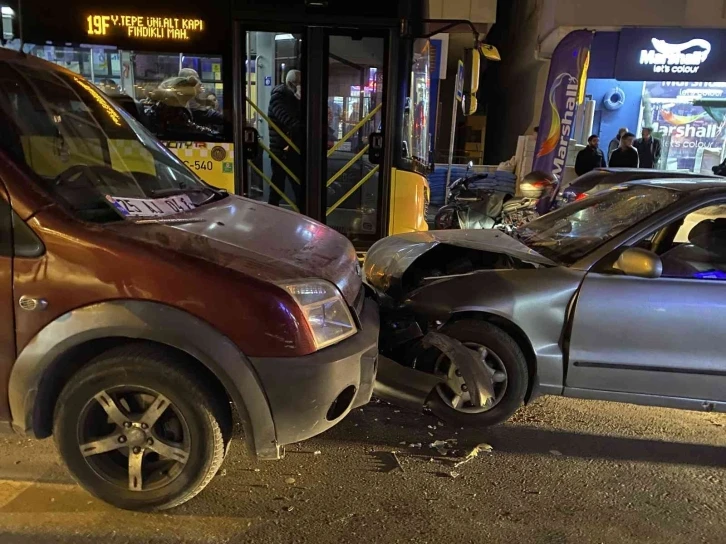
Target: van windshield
(92,156)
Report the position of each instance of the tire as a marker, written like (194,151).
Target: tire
(507,352)
(192,423)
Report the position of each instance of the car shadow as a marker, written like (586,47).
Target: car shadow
(410,428)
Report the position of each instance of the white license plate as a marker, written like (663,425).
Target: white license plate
(151,207)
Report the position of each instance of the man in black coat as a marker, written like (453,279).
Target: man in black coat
(286,112)
(649,149)
(590,158)
(625,156)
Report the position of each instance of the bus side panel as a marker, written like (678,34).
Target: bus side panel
(409,201)
(213,162)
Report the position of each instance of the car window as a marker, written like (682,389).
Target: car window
(698,249)
(88,153)
(568,234)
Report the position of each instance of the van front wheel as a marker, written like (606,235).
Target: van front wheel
(137,431)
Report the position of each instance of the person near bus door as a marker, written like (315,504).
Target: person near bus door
(625,156)
(591,157)
(649,149)
(285,111)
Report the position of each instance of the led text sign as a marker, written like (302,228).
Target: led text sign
(671,54)
(142,26)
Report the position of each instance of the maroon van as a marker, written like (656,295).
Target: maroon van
(145,310)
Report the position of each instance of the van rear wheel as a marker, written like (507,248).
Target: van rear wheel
(137,431)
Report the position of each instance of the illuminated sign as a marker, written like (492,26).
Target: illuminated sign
(674,54)
(672,57)
(142,26)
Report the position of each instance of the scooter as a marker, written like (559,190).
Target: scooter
(475,201)
(474,204)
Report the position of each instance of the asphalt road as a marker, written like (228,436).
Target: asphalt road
(564,471)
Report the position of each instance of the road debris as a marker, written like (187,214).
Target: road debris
(398,462)
(416,445)
(475,451)
(317,452)
(290,481)
(443,446)
(288,508)
(452,474)
(556,453)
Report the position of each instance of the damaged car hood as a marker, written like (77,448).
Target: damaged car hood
(388,259)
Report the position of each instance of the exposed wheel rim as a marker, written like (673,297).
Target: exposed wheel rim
(134,438)
(454,391)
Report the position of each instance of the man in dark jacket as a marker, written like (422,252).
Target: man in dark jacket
(649,149)
(615,142)
(286,112)
(625,156)
(590,158)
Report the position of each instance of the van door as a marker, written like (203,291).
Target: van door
(7,320)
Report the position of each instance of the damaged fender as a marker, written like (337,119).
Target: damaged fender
(477,378)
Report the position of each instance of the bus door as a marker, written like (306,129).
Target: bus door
(314,114)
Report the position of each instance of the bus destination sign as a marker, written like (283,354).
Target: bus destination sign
(142,26)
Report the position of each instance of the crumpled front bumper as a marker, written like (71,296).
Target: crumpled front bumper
(310,394)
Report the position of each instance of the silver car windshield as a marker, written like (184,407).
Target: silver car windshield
(91,155)
(572,232)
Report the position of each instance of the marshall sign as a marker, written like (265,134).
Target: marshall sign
(671,54)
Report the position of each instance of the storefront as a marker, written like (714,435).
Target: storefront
(672,80)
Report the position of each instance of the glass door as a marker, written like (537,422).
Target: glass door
(274,106)
(315,97)
(355,103)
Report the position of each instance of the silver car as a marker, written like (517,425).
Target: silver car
(620,296)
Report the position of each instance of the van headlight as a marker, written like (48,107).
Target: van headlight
(325,310)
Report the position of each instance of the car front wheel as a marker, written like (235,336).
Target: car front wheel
(137,431)
(502,358)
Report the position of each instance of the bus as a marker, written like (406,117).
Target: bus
(320,106)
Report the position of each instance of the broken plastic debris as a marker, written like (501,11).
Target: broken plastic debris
(453,474)
(475,451)
(290,481)
(317,452)
(555,452)
(288,508)
(416,445)
(397,461)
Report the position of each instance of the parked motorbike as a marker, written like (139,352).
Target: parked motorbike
(480,201)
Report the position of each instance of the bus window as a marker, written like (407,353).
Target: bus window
(355,110)
(416,114)
(273,91)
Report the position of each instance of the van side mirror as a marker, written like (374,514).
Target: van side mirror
(640,263)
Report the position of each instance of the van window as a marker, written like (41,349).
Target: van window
(85,150)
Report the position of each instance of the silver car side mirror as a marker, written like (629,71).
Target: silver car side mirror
(639,262)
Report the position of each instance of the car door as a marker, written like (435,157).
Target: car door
(7,332)
(662,336)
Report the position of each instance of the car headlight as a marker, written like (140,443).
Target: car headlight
(326,312)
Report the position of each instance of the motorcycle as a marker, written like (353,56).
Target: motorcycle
(484,201)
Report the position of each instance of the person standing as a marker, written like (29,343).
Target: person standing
(649,149)
(625,156)
(286,112)
(615,142)
(591,157)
